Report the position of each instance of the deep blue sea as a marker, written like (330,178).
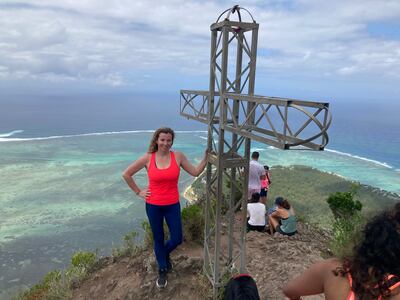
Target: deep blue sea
(363,128)
(61,159)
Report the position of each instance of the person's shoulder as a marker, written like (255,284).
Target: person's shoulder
(330,264)
(178,155)
(261,206)
(144,159)
(146,156)
(326,266)
(259,166)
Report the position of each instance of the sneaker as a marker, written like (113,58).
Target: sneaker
(169,264)
(161,281)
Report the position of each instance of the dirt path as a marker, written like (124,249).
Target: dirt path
(271,260)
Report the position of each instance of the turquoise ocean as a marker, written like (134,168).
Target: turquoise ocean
(61,161)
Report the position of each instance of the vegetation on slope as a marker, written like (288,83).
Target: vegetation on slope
(315,196)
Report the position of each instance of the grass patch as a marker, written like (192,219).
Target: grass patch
(193,223)
(347,222)
(58,284)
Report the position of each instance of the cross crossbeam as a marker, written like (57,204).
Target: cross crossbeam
(312,118)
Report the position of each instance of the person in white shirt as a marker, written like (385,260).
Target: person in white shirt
(256,174)
(256,214)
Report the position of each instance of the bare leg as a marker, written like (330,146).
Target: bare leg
(271,230)
(273,223)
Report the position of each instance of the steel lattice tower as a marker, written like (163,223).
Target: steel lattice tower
(235,116)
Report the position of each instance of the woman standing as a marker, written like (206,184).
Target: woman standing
(162,195)
(371,272)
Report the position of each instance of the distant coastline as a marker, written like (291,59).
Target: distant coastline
(307,189)
(353,165)
(190,195)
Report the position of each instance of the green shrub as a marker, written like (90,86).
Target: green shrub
(83,259)
(130,246)
(148,234)
(238,189)
(57,284)
(193,223)
(53,276)
(40,290)
(345,234)
(343,205)
(130,242)
(347,221)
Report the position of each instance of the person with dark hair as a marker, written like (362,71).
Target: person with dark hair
(162,195)
(283,219)
(265,185)
(371,272)
(256,214)
(241,287)
(256,174)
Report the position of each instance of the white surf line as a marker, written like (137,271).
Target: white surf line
(8,134)
(3,139)
(383,164)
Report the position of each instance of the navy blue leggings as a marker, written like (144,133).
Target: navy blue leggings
(172,215)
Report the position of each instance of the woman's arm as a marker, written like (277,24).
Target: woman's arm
(292,210)
(191,169)
(311,282)
(278,213)
(135,167)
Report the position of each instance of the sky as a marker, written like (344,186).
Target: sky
(307,48)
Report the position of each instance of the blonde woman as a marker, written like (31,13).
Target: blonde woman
(162,195)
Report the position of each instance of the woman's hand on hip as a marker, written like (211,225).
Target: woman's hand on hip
(144,193)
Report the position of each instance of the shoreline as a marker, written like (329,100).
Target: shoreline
(189,194)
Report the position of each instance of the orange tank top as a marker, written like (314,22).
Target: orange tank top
(163,183)
(352,296)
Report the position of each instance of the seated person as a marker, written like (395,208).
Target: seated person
(282,220)
(275,207)
(256,214)
(372,271)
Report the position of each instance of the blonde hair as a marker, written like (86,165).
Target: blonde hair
(153,143)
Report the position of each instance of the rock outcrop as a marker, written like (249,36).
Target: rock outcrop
(271,260)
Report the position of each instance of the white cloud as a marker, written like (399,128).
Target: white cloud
(347,70)
(107,41)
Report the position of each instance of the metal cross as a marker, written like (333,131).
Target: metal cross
(235,116)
